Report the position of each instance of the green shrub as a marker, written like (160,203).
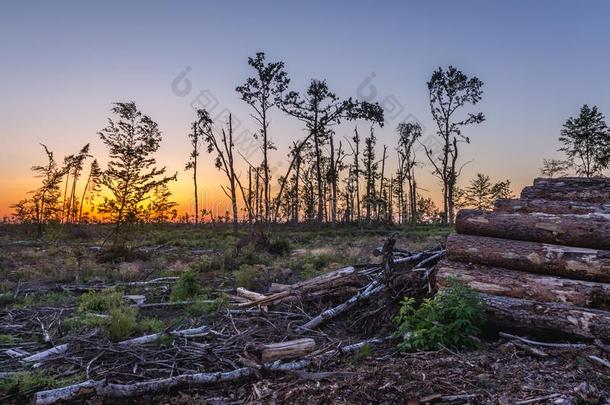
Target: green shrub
(204,307)
(187,287)
(122,323)
(85,320)
(165,340)
(148,325)
(25,384)
(7,339)
(452,318)
(100,301)
(245,276)
(279,246)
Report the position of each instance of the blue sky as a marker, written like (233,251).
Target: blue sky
(63,63)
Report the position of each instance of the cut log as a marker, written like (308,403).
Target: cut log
(518,284)
(251,295)
(595,190)
(277,287)
(337,278)
(591,230)
(56,350)
(547,317)
(550,207)
(573,182)
(534,257)
(270,352)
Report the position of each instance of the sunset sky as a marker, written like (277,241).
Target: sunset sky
(62,64)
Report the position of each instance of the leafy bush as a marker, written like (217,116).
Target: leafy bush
(206,307)
(245,276)
(100,301)
(186,287)
(279,246)
(151,325)
(122,323)
(7,339)
(108,310)
(452,318)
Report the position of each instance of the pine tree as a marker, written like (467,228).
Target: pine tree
(132,174)
(586,141)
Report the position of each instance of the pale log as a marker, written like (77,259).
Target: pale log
(534,257)
(595,189)
(590,230)
(291,349)
(518,284)
(550,207)
(547,317)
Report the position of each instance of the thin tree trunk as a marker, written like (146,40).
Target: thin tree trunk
(82,200)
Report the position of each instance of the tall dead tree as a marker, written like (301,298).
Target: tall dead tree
(262,92)
(92,186)
(356,171)
(195,138)
(222,145)
(449,91)
(408,135)
(320,109)
(370,174)
(77,167)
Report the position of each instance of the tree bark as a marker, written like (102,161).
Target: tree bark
(547,317)
(517,284)
(270,352)
(533,257)
(589,189)
(550,207)
(591,230)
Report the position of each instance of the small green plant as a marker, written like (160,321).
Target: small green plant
(84,320)
(204,307)
(279,246)
(147,325)
(452,318)
(22,385)
(40,300)
(245,276)
(363,353)
(187,287)
(122,323)
(7,339)
(165,340)
(100,301)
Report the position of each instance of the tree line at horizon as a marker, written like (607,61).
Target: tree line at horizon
(325,182)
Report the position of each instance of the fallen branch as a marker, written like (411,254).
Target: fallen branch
(545,344)
(61,349)
(370,290)
(171,303)
(153,337)
(600,361)
(110,390)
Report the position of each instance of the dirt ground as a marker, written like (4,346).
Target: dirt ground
(498,372)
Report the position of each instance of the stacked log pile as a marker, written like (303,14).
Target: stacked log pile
(541,262)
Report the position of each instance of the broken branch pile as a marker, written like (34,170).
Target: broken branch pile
(290,327)
(542,261)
